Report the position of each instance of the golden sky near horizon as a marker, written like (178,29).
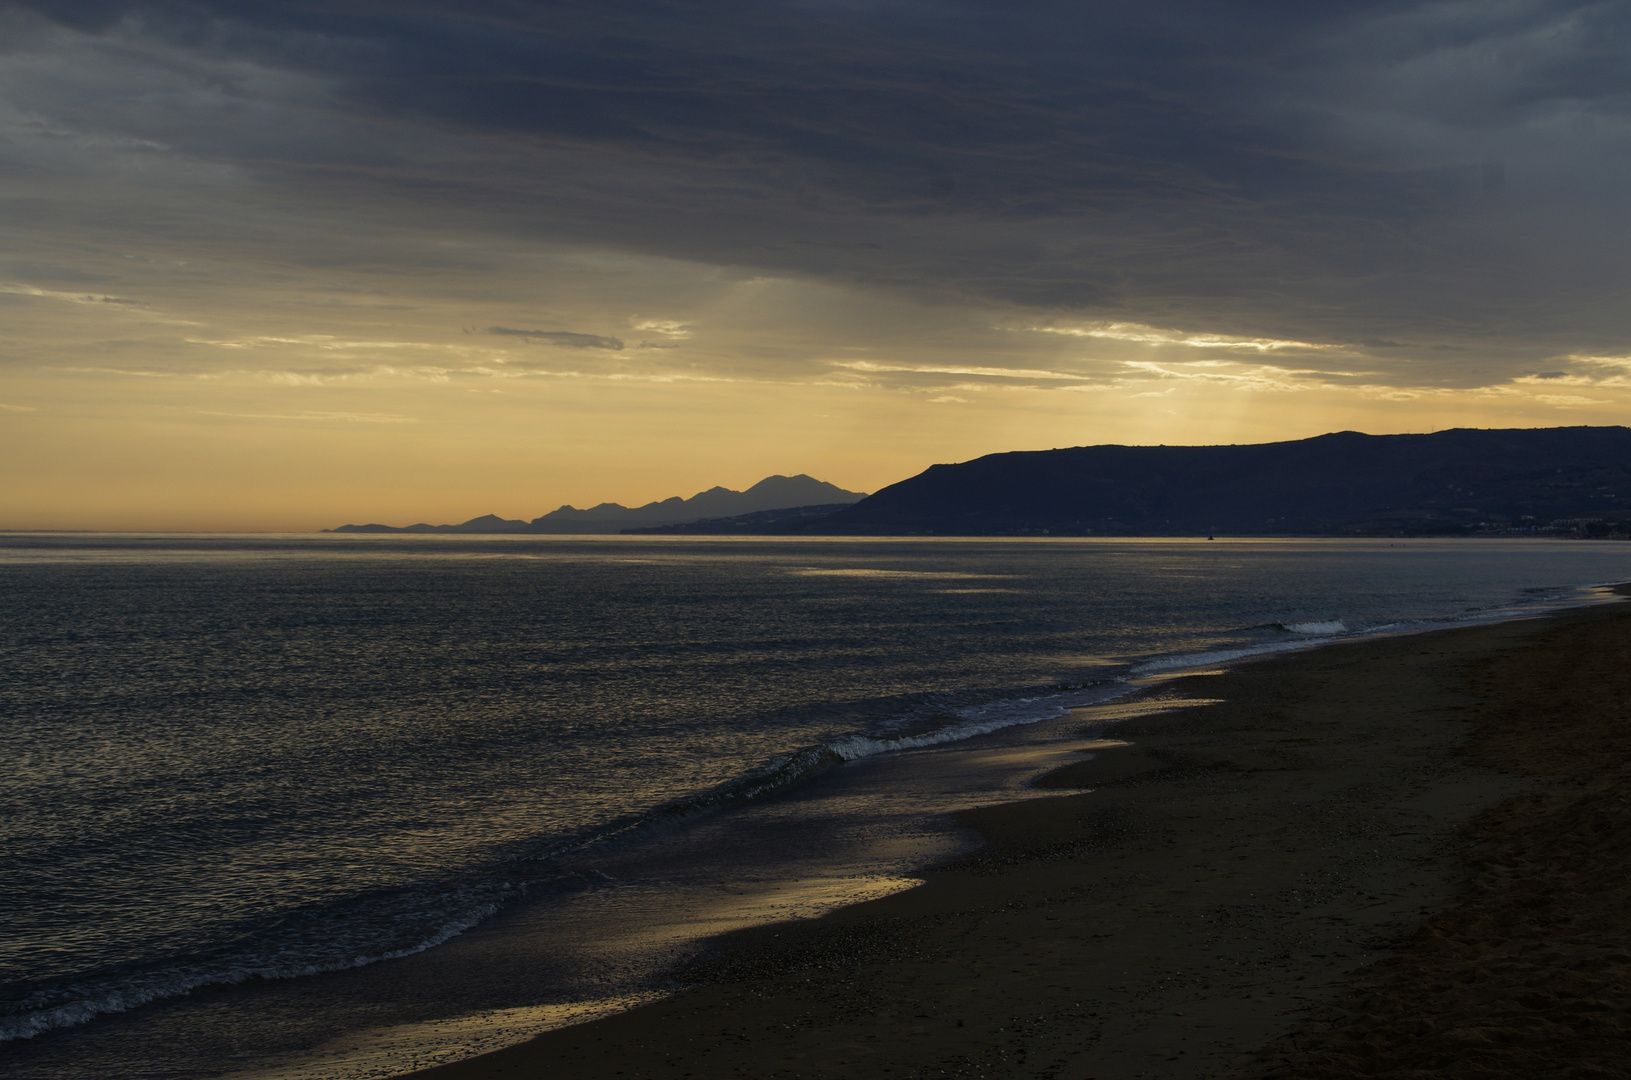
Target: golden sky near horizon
(244,287)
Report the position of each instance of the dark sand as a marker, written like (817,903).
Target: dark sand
(1404,857)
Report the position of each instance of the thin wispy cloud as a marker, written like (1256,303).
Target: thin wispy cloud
(667,328)
(1150,335)
(319,342)
(935,369)
(134,373)
(559,337)
(63,296)
(315,417)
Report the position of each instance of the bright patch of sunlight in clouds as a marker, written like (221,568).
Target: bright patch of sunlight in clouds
(1151,335)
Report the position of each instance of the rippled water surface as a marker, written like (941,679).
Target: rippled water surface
(234,756)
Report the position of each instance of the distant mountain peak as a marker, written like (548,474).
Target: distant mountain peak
(771,493)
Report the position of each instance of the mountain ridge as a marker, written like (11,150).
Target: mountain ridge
(773,493)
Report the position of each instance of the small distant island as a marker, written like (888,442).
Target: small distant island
(772,500)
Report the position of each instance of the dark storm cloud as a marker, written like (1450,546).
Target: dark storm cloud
(560,337)
(1426,177)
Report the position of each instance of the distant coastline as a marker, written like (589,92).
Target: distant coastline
(1558,482)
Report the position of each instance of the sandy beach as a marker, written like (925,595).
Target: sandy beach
(1395,857)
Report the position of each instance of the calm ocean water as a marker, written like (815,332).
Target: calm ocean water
(247,758)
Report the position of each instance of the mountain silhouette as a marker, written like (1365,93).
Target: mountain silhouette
(771,493)
(1347,483)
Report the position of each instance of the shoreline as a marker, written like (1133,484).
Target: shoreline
(1235,867)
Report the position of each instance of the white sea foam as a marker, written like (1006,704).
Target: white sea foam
(1319,628)
(982,720)
(1318,632)
(1211,657)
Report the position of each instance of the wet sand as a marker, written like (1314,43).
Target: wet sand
(1403,857)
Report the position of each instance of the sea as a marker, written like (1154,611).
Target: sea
(336,806)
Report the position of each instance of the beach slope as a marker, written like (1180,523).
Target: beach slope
(1397,857)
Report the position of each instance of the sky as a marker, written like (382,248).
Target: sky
(283,265)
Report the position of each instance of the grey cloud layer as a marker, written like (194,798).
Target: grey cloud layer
(1441,180)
